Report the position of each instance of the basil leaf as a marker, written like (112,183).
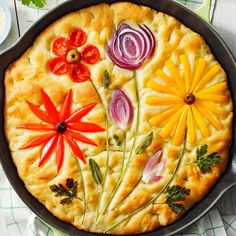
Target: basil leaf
(106,79)
(146,143)
(96,172)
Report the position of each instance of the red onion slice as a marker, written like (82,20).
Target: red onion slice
(153,169)
(121,109)
(129,48)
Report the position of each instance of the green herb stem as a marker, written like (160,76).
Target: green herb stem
(107,150)
(128,194)
(154,197)
(116,186)
(83,187)
(130,155)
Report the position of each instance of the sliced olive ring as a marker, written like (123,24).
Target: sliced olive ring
(73,56)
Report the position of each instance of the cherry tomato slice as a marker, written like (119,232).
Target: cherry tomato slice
(79,73)
(60,46)
(90,54)
(58,66)
(77,37)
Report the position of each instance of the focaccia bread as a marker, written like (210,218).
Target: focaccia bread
(118,118)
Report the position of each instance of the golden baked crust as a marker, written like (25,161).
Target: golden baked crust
(29,74)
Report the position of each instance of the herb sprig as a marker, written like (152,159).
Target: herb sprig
(96,172)
(146,143)
(69,191)
(175,194)
(204,162)
(37,3)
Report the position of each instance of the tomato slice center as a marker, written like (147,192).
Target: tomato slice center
(90,54)
(58,66)
(77,37)
(60,46)
(79,73)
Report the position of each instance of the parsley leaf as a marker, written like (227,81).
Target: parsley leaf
(69,191)
(175,194)
(37,3)
(206,162)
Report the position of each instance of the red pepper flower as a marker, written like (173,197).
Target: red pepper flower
(61,126)
(68,57)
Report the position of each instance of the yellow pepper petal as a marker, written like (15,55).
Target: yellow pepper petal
(211,118)
(160,88)
(154,100)
(160,74)
(171,123)
(201,66)
(181,128)
(190,125)
(201,123)
(218,88)
(214,109)
(187,71)
(213,98)
(208,76)
(164,115)
(175,75)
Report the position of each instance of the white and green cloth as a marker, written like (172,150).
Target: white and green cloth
(17,220)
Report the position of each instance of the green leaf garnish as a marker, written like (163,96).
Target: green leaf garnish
(69,191)
(116,138)
(204,162)
(37,3)
(96,172)
(146,143)
(106,79)
(175,194)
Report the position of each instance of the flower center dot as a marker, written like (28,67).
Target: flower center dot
(61,127)
(189,98)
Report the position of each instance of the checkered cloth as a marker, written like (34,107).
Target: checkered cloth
(17,220)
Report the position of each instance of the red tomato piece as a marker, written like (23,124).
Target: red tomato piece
(77,37)
(58,66)
(79,73)
(90,54)
(60,46)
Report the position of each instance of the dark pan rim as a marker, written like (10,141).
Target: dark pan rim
(219,49)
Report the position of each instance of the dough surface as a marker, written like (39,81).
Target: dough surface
(29,74)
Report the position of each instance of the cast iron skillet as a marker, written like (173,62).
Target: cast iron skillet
(220,51)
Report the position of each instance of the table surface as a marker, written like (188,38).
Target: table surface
(224,21)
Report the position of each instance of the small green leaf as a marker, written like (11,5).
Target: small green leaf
(205,163)
(96,172)
(106,79)
(175,194)
(116,138)
(37,3)
(176,208)
(70,191)
(146,143)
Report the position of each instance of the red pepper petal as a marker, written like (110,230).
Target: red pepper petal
(80,113)
(49,106)
(80,137)
(85,127)
(75,148)
(47,150)
(38,141)
(65,108)
(39,127)
(40,114)
(60,152)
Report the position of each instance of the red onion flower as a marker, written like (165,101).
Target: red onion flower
(129,48)
(153,169)
(121,109)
